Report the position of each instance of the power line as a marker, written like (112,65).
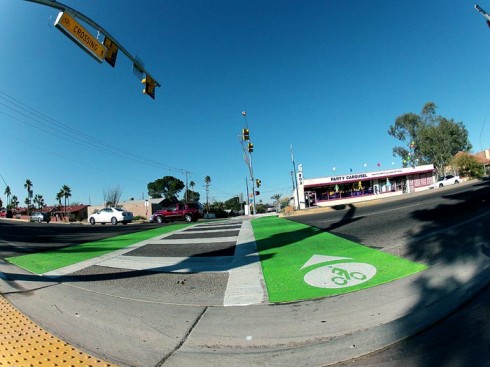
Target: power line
(47,124)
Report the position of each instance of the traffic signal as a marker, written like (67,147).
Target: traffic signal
(149,86)
(112,49)
(257,183)
(257,193)
(246,134)
(250,147)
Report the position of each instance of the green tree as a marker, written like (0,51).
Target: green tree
(467,165)
(233,204)
(285,202)
(192,196)
(260,208)
(440,142)
(168,187)
(28,185)
(428,138)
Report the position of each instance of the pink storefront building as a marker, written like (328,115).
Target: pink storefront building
(355,187)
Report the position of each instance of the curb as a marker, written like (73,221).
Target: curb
(405,318)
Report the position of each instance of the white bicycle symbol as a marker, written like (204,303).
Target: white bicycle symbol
(344,276)
(338,275)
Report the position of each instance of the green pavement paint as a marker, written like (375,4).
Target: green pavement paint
(42,262)
(300,262)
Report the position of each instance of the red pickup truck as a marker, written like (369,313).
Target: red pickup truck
(179,211)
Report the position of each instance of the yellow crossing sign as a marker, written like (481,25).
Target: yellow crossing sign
(67,24)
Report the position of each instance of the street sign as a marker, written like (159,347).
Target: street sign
(138,68)
(67,24)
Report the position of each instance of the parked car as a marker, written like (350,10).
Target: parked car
(111,215)
(445,181)
(40,217)
(3,213)
(179,211)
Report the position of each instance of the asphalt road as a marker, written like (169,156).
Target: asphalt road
(431,226)
(19,237)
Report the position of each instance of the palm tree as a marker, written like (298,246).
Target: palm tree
(59,196)
(14,203)
(8,193)
(39,200)
(28,185)
(27,201)
(66,193)
(207,181)
(277,198)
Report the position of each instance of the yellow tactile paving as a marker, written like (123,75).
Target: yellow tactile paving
(23,343)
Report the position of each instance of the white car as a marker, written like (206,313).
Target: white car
(111,215)
(445,181)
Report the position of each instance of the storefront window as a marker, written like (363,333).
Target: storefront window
(343,191)
(423,179)
(359,188)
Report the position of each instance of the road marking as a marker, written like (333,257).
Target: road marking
(301,262)
(337,274)
(170,264)
(67,270)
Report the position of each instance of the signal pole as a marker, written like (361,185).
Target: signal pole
(247,156)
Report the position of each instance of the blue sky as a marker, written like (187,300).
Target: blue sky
(328,77)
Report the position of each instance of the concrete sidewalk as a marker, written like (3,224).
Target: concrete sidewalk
(128,331)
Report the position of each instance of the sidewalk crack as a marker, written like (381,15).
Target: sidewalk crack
(184,339)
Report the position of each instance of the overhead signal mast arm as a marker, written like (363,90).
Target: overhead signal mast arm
(483,13)
(110,42)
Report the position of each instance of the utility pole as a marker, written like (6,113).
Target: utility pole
(186,185)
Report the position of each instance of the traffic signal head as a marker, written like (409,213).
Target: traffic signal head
(250,147)
(257,193)
(257,183)
(149,86)
(246,134)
